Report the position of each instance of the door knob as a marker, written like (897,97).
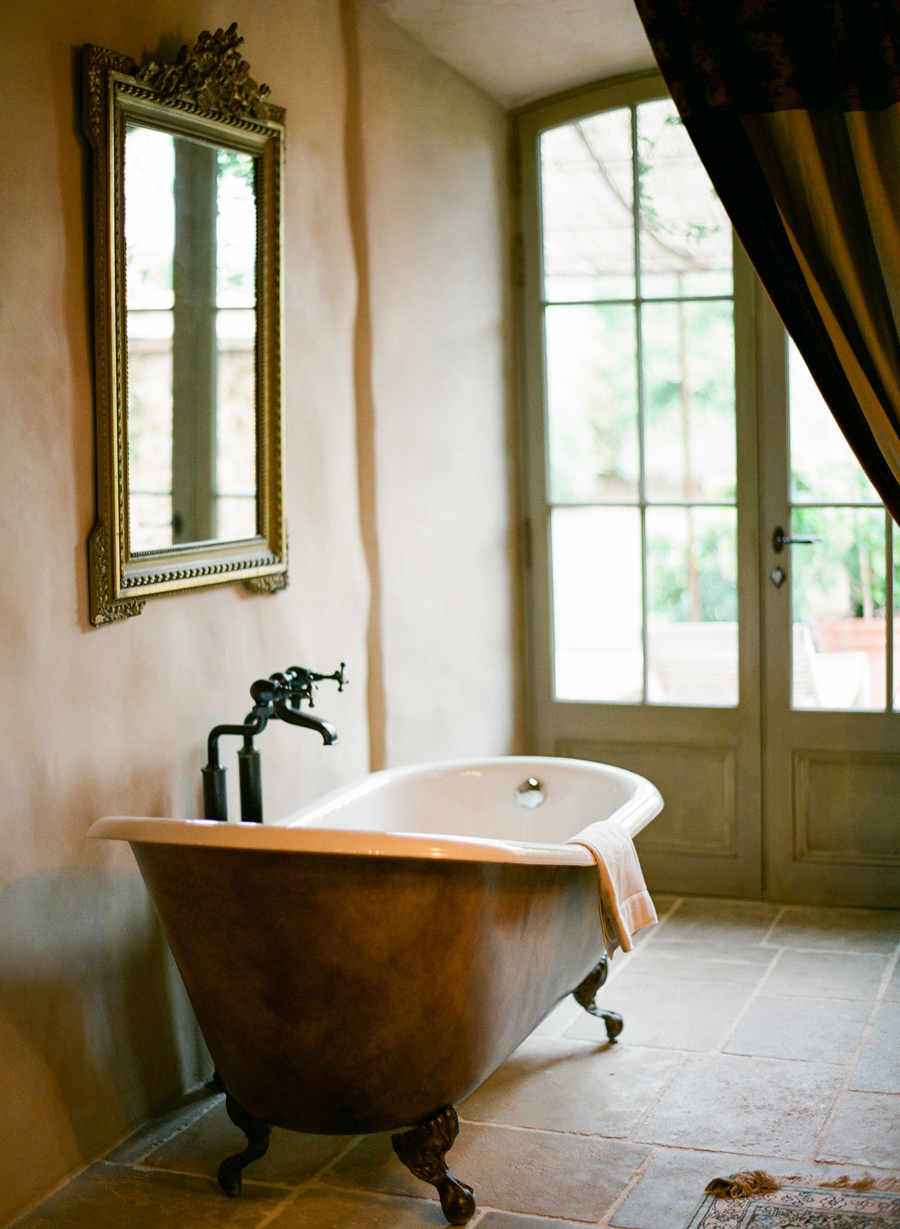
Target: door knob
(779,541)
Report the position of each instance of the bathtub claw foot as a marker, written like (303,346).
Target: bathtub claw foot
(257,1142)
(586,993)
(422,1151)
(613,1021)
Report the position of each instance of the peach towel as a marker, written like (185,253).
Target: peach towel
(625,904)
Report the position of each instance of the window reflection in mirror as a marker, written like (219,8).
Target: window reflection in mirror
(190,234)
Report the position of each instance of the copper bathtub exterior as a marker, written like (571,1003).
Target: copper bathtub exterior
(346,994)
(350,981)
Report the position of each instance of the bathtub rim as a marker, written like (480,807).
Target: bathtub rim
(293,837)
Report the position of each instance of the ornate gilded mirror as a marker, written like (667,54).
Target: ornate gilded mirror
(187,289)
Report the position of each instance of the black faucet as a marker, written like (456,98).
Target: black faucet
(278,696)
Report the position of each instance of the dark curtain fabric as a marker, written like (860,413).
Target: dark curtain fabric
(794,108)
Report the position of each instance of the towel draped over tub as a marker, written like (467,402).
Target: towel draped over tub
(625,903)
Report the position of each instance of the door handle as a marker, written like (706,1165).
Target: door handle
(779,541)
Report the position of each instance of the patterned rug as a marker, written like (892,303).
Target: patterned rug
(799,1206)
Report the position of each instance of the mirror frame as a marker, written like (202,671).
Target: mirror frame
(207,94)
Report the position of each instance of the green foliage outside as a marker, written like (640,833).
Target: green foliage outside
(843,576)
(711,546)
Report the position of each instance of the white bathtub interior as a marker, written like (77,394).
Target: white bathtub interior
(480,799)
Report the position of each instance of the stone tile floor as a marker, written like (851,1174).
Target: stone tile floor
(756,1035)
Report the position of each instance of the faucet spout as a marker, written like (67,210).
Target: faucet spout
(295,717)
(280,695)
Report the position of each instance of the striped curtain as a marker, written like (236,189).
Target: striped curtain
(794,108)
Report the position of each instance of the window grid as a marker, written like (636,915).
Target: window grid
(637,302)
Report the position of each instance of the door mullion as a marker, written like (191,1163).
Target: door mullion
(639,357)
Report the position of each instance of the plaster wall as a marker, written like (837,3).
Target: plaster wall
(95,1033)
(436,198)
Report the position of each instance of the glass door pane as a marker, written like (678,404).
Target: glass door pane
(597,603)
(842,604)
(638,325)
(692,630)
(587,209)
(592,403)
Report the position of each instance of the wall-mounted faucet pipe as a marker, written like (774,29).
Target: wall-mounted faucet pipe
(250,780)
(279,696)
(215,794)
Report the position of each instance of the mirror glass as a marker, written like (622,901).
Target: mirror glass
(191,319)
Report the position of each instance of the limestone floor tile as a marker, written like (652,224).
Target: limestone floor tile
(729,1103)
(740,921)
(318,1207)
(865,1130)
(809,1030)
(684,1005)
(892,994)
(559,1084)
(165,1127)
(510,1220)
(571,1177)
(827,975)
(672,1184)
(873,931)
(664,961)
(713,949)
(878,1069)
(110,1196)
(201,1147)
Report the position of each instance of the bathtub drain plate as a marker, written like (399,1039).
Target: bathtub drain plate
(530,793)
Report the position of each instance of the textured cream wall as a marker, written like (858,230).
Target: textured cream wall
(94,1032)
(435,186)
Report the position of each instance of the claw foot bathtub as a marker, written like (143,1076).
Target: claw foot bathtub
(368,961)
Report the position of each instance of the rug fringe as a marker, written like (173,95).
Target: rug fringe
(740,1185)
(865,1183)
(759,1182)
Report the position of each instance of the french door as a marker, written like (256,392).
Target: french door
(669,435)
(831,729)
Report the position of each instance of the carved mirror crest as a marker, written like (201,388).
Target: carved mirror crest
(187,290)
